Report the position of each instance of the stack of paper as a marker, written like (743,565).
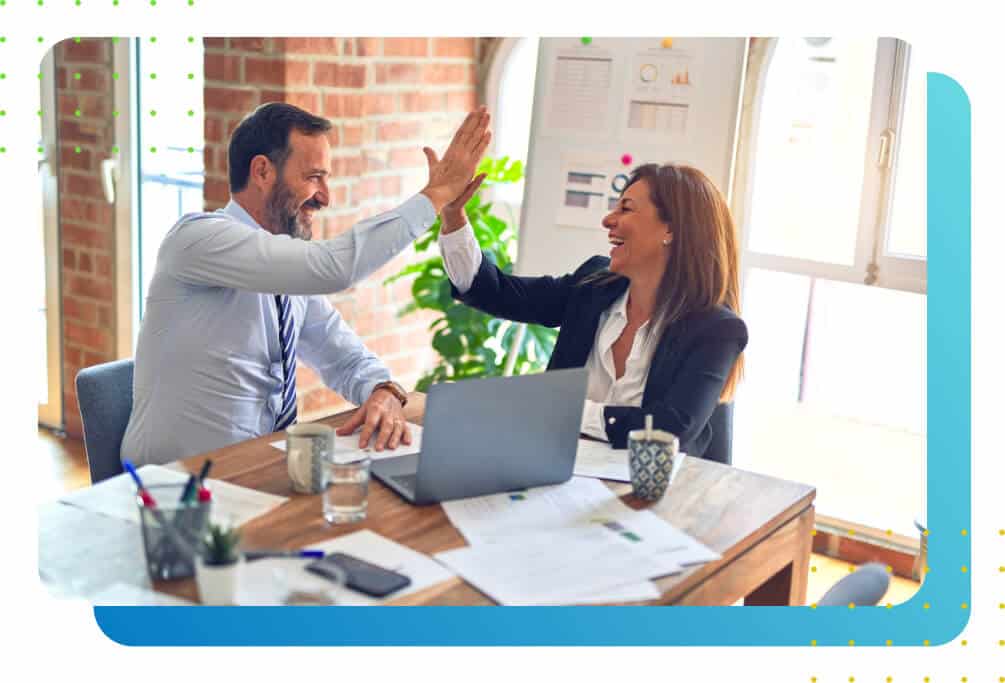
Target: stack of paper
(116,497)
(346,448)
(571,543)
(270,581)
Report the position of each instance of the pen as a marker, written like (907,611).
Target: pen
(145,496)
(186,494)
(260,554)
(205,470)
(204,494)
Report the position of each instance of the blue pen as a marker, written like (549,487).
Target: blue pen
(148,500)
(260,554)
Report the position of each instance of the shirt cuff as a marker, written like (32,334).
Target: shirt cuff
(418,213)
(462,256)
(458,238)
(368,386)
(593,420)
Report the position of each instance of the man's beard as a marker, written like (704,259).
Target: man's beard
(283,213)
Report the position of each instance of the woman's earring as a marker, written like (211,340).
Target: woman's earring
(666,243)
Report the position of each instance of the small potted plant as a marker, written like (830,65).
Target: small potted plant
(217,569)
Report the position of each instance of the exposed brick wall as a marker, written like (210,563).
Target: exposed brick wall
(86,220)
(387,98)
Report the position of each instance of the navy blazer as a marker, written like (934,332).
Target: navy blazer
(689,367)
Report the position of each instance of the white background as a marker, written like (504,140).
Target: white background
(47,639)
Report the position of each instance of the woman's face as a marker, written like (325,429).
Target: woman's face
(636,234)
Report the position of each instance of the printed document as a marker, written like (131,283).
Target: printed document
(568,565)
(116,497)
(346,448)
(270,581)
(484,519)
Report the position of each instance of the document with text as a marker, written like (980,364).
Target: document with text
(346,448)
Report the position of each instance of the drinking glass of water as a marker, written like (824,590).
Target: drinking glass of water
(344,498)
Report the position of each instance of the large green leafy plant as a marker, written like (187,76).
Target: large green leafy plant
(469,342)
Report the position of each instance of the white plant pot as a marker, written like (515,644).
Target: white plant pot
(218,583)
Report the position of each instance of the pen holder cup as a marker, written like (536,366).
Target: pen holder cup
(652,459)
(172,532)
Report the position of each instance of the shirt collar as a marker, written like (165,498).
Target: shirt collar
(235,210)
(620,306)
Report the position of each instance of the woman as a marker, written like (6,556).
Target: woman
(656,324)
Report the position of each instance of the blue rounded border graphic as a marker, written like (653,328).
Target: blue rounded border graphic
(945,588)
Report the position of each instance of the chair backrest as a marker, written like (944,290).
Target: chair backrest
(105,396)
(865,586)
(720,448)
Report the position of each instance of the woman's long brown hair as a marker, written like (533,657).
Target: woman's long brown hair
(703,256)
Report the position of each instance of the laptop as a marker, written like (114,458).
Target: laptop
(491,435)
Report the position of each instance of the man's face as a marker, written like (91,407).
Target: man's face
(301,188)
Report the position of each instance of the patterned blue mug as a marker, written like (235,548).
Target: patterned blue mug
(652,456)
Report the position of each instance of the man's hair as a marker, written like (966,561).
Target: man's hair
(267,131)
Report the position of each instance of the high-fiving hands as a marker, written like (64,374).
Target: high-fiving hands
(450,176)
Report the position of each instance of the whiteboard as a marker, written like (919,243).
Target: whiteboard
(603,108)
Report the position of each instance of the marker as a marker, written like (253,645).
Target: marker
(189,489)
(145,496)
(204,495)
(260,554)
(205,470)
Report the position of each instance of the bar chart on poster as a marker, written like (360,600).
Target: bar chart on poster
(606,105)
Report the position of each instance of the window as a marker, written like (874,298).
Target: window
(161,141)
(832,208)
(510,99)
(47,255)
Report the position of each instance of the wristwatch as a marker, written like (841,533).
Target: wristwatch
(396,389)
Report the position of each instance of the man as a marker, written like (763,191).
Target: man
(237,295)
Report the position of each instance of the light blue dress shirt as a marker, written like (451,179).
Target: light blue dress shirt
(208,363)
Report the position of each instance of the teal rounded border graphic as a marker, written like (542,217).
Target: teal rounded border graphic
(945,589)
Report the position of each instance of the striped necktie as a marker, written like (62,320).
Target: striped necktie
(288,412)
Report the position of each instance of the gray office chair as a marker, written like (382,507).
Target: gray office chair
(105,396)
(865,586)
(720,448)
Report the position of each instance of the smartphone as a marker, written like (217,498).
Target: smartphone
(360,575)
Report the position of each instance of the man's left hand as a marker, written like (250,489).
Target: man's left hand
(381,414)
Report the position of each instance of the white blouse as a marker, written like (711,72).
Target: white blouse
(462,257)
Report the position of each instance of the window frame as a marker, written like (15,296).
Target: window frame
(873,265)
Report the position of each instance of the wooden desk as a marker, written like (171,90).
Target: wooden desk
(760,525)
